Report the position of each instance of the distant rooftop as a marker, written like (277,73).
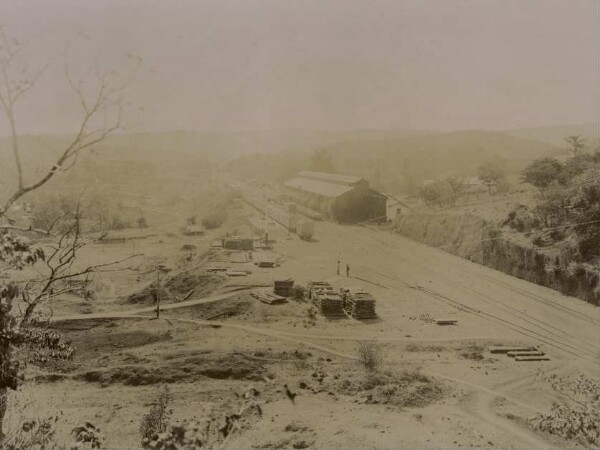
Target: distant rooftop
(347,180)
(324,188)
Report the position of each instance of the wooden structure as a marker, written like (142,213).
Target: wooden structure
(343,198)
(358,303)
(238,243)
(268,297)
(284,288)
(521,353)
(326,299)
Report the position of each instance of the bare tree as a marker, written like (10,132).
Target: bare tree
(101,102)
(100,99)
(457,186)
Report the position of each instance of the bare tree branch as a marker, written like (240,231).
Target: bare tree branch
(105,99)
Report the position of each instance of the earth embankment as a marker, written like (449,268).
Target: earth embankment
(480,241)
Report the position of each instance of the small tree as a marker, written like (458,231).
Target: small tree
(491,172)
(370,355)
(576,144)
(437,193)
(541,173)
(456,185)
(142,222)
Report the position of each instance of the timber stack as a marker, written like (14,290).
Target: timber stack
(358,303)
(326,299)
(284,288)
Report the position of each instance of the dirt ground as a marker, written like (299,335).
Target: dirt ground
(438,386)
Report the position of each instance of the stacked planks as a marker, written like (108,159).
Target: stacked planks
(359,304)
(284,288)
(268,298)
(328,301)
(521,353)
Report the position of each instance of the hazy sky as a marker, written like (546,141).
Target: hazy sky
(326,64)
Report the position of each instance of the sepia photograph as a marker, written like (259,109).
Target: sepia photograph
(299,224)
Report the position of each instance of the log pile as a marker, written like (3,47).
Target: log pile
(359,304)
(284,288)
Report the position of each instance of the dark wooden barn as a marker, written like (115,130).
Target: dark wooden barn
(343,198)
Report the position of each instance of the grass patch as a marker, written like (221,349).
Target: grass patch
(424,348)
(472,352)
(406,388)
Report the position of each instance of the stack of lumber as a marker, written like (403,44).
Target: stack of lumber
(268,297)
(359,304)
(285,288)
(446,321)
(328,302)
(316,286)
(506,349)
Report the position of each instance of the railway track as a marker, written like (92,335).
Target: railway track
(513,318)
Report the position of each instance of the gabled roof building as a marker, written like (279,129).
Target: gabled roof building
(343,198)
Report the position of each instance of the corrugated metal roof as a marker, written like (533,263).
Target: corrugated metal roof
(324,188)
(330,177)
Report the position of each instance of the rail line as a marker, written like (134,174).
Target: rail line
(558,339)
(558,306)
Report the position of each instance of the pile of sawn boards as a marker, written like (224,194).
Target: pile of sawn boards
(326,299)
(285,288)
(358,303)
(268,297)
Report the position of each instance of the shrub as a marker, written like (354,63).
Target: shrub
(299,293)
(541,172)
(117,223)
(184,435)
(35,433)
(142,222)
(157,419)
(88,436)
(577,417)
(370,355)
(472,351)
(538,241)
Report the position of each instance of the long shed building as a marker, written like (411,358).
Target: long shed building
(343,198)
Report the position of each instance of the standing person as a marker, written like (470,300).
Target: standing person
(338,268)
(347,270)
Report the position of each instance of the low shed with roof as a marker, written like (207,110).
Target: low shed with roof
(343,198)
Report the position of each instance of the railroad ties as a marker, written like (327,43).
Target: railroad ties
(521,353)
